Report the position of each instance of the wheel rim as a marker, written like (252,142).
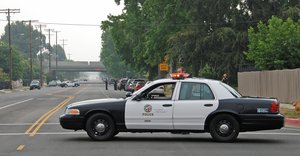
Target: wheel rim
(100,127)
(224,128)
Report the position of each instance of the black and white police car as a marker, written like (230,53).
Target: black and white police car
(190,105)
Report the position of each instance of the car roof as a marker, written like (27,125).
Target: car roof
(186,80)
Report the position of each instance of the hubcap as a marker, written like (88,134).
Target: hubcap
(224,128)
(100,127)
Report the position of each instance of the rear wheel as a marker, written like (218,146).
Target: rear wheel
(224,128)
(100,127)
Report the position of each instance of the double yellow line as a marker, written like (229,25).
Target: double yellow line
(32,130)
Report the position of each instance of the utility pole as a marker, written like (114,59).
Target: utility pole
(69,56)
(63,40)
(8,11)
(49,48)
(56,56)
(41,54)
(30,47)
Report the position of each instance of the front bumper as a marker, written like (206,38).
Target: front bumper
(261,122)
(73,122)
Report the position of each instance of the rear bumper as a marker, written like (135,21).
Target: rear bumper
(261,122)
(71,122)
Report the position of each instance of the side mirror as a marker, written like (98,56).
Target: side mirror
(128,94)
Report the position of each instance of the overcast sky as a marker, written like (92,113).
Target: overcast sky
(83,42)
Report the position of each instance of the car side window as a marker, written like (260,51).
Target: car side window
(195,91)
(162,91)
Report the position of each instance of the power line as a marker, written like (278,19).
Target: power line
(148,25)
(70,24)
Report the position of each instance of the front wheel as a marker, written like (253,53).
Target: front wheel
(100,127)
(224,128)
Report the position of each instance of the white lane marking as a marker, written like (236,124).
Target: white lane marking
(13,104)
(26,124)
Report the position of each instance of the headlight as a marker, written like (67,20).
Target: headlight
(72,112)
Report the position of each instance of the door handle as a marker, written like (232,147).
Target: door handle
(208,105)
(167,105)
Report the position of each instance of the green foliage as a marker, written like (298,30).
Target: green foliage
(275,45)
(19,64)
(199,32)
(20,37)
(209,72)
(113,64)
(61,55)
(3,76)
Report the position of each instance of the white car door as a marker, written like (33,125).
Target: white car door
(194,103)
(146,111)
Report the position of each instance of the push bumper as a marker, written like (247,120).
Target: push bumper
(71,122)
(261,122)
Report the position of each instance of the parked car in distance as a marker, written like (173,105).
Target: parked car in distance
(129,81)
(35,84)
(76,84)
(112,81)
(58,82)
(158,90)
(67,84)
(52,83)
(121,84)
(132,85)
(139,85)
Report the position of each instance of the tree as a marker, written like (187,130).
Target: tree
(275,45)
(61,55)
(199,32)
(20,37)
(19,64)
(114,65)
(3,76)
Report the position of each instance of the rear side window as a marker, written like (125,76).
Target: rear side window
(195,91)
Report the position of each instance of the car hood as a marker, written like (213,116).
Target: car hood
(95,101)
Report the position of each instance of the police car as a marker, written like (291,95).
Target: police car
(189,105)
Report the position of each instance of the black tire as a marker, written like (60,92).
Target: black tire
(106,127)
(224,128)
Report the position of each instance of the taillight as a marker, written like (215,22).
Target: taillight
(274,108)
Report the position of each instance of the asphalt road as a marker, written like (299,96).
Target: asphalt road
(29,127)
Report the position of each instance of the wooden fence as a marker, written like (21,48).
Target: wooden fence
(282,84)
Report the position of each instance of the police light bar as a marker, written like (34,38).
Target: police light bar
(179,75)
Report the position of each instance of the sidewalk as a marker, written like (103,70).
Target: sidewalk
(6,91)
(290,122)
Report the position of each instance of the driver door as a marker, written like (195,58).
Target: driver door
(150,111)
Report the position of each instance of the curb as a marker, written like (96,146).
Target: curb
(290,122)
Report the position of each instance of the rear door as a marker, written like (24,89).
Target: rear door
(192,106)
